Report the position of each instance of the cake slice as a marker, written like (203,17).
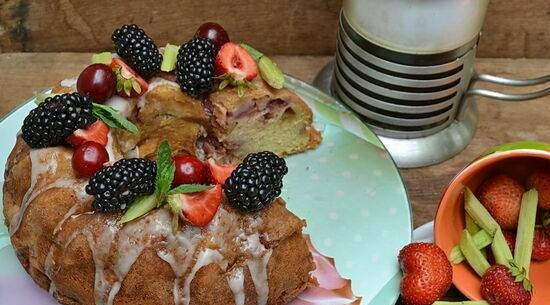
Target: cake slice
(263,118)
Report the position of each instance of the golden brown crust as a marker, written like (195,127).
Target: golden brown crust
(56,234)
(150,279)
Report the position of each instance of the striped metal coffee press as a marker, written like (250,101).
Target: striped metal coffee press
(406,68)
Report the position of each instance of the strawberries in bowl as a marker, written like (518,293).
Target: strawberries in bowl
(480,202)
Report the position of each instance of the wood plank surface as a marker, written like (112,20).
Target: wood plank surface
(499,122)
(513,28)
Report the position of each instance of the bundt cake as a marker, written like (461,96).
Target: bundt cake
(92,204)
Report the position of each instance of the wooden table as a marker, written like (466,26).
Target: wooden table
(22,74)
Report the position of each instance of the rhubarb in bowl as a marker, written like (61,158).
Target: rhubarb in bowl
(512,160)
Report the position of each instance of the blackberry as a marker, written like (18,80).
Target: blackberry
(195,66)
(137,49)
(116,186)
(256,182)
(57,118)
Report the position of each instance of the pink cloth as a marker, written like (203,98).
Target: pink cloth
(332,289)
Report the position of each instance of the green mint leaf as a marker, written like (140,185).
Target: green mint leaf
(253,52)
(165,169)
(113,118)
(189,188)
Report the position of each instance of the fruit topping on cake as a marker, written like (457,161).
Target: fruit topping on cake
(95,132)
(116,186)
(137,49)
(128,82)
(189,170)
(219,172)
(57,118)
(196,208)
(98,81)
(256,182)
(195,66)
(215,32)
(236,67)
(88,158)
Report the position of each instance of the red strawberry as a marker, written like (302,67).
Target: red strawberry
(510,237)
(96,132)
(128,82)
(220,172)
(234,60)
(501,195)
(540,180)
(197,208)
(541,245)
(427,273)
(500,287)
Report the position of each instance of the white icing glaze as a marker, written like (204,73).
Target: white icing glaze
(100,252)
(120,104)
(205,258)
(43,161)
(69,82)
(258,270)
(109,147)
(156,81)
(81,196)
(117,248)
(236,284)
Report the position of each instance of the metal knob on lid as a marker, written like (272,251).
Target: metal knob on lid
(405,67)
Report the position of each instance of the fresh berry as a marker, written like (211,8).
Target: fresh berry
(137,49)
(98,81)
(189,170)
(427,273)
(195,66)
(197,208)
(501,195)
(256,182)
(540,180)
(499,287)
(116,186)
(56,118)
(88,158)
(268,162)
(214,32)
(541,245)
(510,237)
(219,172)
(234,61)
(96,132)
(128,82)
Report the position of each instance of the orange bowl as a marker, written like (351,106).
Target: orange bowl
(449,220)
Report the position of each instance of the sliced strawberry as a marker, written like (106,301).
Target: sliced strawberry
(234,60)
(97,132)
(219,172)
(128,82)
(197,208)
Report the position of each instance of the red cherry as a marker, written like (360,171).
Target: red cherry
(189,170)
(89,158)
(98,81)
(214,32)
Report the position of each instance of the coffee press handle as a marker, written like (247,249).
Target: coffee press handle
(509,82)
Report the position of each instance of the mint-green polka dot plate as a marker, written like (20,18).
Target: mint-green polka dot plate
(348,190)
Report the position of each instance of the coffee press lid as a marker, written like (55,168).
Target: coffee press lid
(417,26)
